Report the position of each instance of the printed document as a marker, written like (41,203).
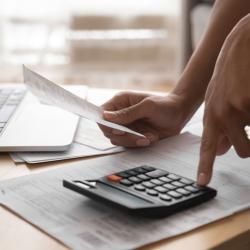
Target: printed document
(51,93)
(81,223)
(89,141)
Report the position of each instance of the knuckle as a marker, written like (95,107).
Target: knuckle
(208,114)
(122,94)
(225,113)
(149,103)
(114,99)
(217,113)
(244,104)
(123,112)
(206,143)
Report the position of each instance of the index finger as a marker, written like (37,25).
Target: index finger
(208,150)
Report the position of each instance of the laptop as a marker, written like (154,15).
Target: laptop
(28,125)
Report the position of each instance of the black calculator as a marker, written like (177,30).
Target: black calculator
(145,191)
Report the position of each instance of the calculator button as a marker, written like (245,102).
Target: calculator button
(169,186)
(157,182)
(183,191)
(126,182)
(156,173)
(135,179)
(140,170)
(114,178)
(165,197)
(198,187)
(143,177)
(152,192)
(186,181)
(160,189)
(192,189)
(148,184)
(165,179)
(140,188)
(148,168)
(174,177)
(123,174)
(131,172)
(178,184)
(174,194)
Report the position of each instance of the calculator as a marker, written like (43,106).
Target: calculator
(144,191)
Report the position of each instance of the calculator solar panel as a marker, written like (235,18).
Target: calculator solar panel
(145,191)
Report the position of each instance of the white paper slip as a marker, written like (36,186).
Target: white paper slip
(51,93)
(87,130)
(83,146)
(76,151)
(16,158)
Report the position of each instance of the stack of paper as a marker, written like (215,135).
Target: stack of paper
(89,141)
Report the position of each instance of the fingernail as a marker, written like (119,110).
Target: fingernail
(143,142)
(118,132)
(151,137)
(202,180)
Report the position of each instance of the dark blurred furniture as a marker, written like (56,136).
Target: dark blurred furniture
(194,18)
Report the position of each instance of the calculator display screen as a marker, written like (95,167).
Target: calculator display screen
(121,197)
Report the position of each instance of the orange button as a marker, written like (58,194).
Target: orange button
(114,178)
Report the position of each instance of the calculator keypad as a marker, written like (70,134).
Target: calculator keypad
(156,183)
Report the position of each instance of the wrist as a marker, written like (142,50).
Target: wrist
(190,100)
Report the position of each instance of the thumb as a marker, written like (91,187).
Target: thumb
(125,116)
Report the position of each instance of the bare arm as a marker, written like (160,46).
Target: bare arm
(227,102)
(196,76)
(158,117)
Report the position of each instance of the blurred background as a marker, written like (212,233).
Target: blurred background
(100,43)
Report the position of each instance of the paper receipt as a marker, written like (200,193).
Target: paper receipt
(52,94)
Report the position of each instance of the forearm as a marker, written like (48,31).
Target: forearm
(196,76)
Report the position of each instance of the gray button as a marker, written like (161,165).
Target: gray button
(192,189)
(135,179)
(156,173)
(165,179)
(174,177)
(148,184)
(165,197)
(160,189)
(143,177)
(178,184)
(140,188)
(183,191)
(157,182)
(186,181)
(174,194)
(152,192)
(169,186)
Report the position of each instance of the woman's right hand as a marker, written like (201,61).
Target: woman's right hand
(227,103)
(156,117)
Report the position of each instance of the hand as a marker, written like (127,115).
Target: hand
(154,116)
(227,104)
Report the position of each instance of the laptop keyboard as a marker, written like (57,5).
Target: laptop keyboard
(9,101)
